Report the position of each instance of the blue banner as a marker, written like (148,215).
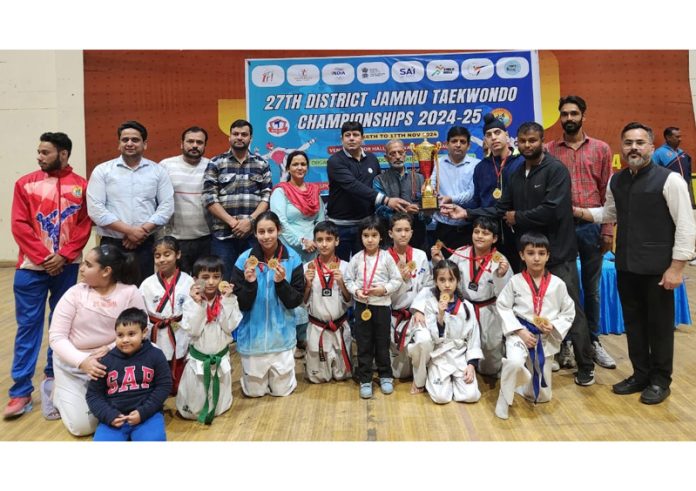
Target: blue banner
(301,103)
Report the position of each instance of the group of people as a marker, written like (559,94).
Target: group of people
(196,253)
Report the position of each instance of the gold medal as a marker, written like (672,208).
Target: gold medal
(252,262)
(311,266)
(411,266)
(366,315)
(273,263)
(445,297)
(333,266)
(439,244)
(223,286)
(497,257)
(497,193)
(539,321)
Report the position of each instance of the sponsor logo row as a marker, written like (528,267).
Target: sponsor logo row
(377,72)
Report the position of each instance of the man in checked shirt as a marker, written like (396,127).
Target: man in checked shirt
(589,162)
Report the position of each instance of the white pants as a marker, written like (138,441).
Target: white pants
(273,373)
(516,375)
(491,342)
(413,359)
(334,366)
(192,396)
(446,380)
(69,397)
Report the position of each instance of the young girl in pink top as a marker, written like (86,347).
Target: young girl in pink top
(82,330)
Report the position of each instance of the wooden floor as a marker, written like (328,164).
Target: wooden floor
(334,412)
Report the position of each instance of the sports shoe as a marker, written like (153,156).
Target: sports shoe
(17,406)
(566,358)
(299,353)
(555,366)
(48,410)
(601,357)
(366,390)
(386,385)
(584,377)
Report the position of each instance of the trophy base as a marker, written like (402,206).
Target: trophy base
(429,203)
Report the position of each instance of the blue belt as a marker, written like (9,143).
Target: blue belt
(534,353)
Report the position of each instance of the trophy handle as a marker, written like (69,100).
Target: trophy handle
(436,162)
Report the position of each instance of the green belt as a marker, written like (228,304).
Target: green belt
(206,416)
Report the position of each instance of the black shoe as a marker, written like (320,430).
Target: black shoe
(584,377)
(654,394)
(629,386)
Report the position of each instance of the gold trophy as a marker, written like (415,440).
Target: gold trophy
(426,153)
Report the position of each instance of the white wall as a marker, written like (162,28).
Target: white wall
(39,91)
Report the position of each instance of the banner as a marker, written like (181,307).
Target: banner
(301,103)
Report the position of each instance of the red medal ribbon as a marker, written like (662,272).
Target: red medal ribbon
(498,172)
(409,256)
(280,253)
(212,311)
(537,294)
(323,272)
(368,284)
(453,307)
(169,290)
(474,272)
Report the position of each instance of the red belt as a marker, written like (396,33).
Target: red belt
(481,304)
(400,316)
(334,325)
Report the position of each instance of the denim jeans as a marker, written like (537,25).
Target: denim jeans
(229,250)
(349,243)
(590,251)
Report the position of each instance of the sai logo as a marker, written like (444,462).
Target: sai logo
(407,71)
(512,67)
(268,76)
(442,70)
(477,69)
(338,74)
(503,115)
(277,126)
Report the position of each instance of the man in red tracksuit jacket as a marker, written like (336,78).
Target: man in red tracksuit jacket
(51,227)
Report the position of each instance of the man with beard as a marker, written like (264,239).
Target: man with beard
(236,190)
(188,222)
(589,163)
(397,182)
(51,227)
(537,199)
(129,197)
(655,239)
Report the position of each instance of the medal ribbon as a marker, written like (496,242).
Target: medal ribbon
(537,357)
(280,253)
(368,284)
(537,295)
(499,172)
(212,311)
(409,256)
(475,271)
(169,290)
(322,272)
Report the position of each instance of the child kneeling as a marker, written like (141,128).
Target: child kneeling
(536,312)
(455,333)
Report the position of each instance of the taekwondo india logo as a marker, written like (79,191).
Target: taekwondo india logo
(477,69)
(268,76)
(278,126)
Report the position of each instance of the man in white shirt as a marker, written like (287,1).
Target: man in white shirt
(655,234)
(188,224)
(129,197)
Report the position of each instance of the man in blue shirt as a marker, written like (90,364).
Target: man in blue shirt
(456,186)
(130,196)
(674,158)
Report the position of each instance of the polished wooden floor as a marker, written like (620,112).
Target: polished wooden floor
(334,412)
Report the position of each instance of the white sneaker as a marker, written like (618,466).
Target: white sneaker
(601,357)
(555,366)
(566,358)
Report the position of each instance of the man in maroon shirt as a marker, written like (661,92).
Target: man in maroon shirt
(589,162)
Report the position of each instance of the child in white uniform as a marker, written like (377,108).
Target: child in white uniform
(455,333)
(165,293)
(410,346)
(211,313)
(484,274)
(537,312)
(327,300)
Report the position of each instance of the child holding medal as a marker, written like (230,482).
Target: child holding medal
(537,312)
(371,278)
(211,313)
(455,333)
(165,293)
(484,274)
(269,281)
(410,345)
(327,300)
